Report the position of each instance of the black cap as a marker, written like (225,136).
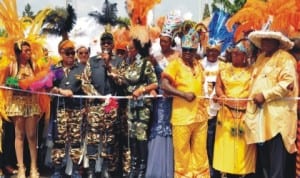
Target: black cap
(107,36)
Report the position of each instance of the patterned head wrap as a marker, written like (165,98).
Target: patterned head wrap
(172,23)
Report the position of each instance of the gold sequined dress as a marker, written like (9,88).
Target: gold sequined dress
(22,103)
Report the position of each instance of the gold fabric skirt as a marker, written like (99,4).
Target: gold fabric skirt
(22,104)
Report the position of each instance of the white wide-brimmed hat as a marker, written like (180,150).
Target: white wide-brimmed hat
(256,37)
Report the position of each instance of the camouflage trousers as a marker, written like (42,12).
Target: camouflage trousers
(139,113)
(123,138)
(102,128)
(68,139)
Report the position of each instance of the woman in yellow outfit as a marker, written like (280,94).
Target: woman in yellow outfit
(232,155)
(183,78)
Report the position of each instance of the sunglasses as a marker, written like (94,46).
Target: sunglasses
(191,50)
(69,53)
(106,42)
(81,53)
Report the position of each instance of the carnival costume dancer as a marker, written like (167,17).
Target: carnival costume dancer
(271,119)
(160,157)
(23,108)
(68,113)
(102,117)
(184,79)
(17,67)
(233,83)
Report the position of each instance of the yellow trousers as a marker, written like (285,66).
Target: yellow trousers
(190,154)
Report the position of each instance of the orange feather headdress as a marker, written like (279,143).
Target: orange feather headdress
(121,38)
(255,13)
(138,11)
(17,30)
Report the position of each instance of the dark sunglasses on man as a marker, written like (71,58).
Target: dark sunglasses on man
(191,50)
(69,53)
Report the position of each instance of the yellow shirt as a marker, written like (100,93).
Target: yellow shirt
(182,77)
(272,76)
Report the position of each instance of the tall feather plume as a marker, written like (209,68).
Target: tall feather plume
(218,33)
(138,10)
(121,37)
(16,30)
(60,21)
(256,13)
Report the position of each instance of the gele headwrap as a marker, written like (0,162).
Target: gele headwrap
(172,22)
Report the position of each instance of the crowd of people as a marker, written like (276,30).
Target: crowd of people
(128,112)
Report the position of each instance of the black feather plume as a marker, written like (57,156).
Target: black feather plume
(60,21)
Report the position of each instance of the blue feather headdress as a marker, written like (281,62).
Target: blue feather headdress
(219,37)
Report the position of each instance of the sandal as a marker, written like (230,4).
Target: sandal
(34,173)
(21,172)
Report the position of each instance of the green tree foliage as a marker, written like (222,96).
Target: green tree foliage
(28,12)
(227,6)
(206,12)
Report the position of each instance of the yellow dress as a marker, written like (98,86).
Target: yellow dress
(231,153)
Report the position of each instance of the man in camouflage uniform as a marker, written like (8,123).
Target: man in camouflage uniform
(102,114)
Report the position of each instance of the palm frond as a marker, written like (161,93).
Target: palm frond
(108,14)
(60,21)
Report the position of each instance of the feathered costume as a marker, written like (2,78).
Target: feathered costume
(218,33)
(255,13)
(137,11)
(17,30)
